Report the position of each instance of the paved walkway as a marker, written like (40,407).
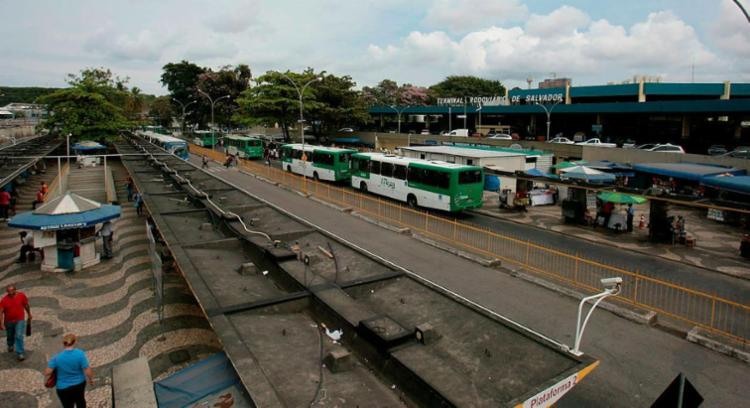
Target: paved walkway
(717,245)
(638,362)
(109,306)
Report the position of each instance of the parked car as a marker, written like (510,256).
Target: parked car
(740,152)
(457,132)
(647,146)
(596,142)
(716,150)
(346,130)
(561,140)
(425,132)
(667,148)
(500,136)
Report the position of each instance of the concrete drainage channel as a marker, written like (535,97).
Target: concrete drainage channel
(307,318)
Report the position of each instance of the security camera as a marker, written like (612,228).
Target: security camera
(612,283)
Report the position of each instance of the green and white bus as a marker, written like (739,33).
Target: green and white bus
(205,138)
(417,182)
(318,162)
(243,146)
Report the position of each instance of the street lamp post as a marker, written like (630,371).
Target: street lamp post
(549,115)
(213,124)
(398,112)
(300,93)
(184,107)
(479,112)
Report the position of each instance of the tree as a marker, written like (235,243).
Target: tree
(274,100)
(461,86)
(413,95)
(181,79)
(163,111)
(384,93)
(228,80)
(337,103)
(92,107)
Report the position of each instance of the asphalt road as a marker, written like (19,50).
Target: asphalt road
(637,362)
(693,277)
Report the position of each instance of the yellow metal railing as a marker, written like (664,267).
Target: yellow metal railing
(713,313)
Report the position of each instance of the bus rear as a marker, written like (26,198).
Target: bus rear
(467,188)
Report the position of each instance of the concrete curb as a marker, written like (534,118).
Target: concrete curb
(398,230)
(700,337)
(330,205)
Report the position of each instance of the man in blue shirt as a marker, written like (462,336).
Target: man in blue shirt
(73,372)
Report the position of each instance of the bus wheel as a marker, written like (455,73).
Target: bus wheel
(411,200)
(363,187)
(315,176)
(289,168)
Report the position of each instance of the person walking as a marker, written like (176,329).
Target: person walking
(138,203)
(4,205)
(106,233)
(130,187)
(13,319)
(73,373)
(204,162)
(631,215)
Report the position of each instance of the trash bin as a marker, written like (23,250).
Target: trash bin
(491,182)
(65,256)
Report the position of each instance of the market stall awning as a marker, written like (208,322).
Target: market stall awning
(737,184)
(686,171)
(586,174)
(620,198)
(568,164)
(66,212)
(618,169)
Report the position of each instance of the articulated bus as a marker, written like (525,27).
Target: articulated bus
(425,183)
(243,146)
(177,147)
(318,162)
(205,138)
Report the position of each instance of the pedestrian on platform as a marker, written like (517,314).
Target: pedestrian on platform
(27,247)
(14,308)
(130,186)
(4,205)
(44,188)
(39,199)
(106,233)
(72,371)
(631,216)
(204,162)
(138,203)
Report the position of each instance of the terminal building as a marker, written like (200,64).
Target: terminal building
(693,115)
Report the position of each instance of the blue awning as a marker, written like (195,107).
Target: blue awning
(737,184)
(29,220)
(686,171)
(86,146)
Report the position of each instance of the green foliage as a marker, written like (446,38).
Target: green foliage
(96,105)
(228,80)
(162,111)
(181,79)
(339,104)
(10,94)
(272,100)
(388,92)
(460,86)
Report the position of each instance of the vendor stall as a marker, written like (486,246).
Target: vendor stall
(65,230)
(86,151)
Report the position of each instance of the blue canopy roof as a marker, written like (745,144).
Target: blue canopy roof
(737,184)
(29,220)
(686,171)
(87,146)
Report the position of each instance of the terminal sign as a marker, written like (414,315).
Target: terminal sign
(538,98)
(474,100)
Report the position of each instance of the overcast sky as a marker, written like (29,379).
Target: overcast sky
(416,41)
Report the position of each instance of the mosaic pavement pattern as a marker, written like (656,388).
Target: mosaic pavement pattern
(110,306)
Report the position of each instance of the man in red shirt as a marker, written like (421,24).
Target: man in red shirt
(4,204)
(39,199)
(12,319)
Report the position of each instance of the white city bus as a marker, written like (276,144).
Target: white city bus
(417,182)
(318,162)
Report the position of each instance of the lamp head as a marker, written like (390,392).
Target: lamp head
(612,284)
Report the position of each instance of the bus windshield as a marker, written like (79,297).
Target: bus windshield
(470,177)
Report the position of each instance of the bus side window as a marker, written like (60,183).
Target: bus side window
(374,167)
(386,169)
(399,172)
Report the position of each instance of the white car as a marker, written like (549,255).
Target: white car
(346,130)
(500,136)
(561,140)
(596,142)
(667,148)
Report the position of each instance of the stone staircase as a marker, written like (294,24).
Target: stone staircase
(88,182)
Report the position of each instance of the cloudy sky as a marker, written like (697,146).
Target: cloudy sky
(416,41)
